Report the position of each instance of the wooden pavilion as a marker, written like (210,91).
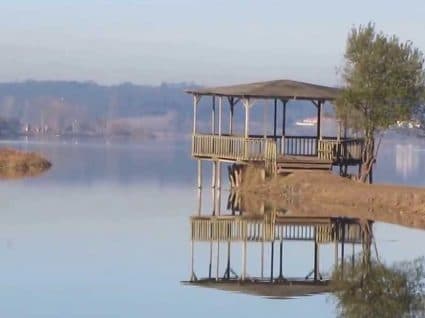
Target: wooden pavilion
(278,152)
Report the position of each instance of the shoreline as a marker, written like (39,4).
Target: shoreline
(16,164)
(324,194)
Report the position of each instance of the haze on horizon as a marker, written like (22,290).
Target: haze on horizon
(208,42)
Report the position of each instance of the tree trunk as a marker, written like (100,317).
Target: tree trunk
(368,159)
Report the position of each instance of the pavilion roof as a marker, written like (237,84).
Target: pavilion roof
(278,89)
(265,289)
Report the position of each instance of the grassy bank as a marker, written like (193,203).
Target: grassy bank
(325,194)
(17,164)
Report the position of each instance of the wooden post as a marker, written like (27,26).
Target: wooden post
(265,119)
(192,263)
(213,181)
(210,265)
(228,258)
(282,146)
(262,258)
(272,261)
(319,133)
(199,174)
(246,121)
(336,250)
(247,103)
(213,185)
(218,178)
(218,259)
(316,261)
(284,102)
(232,106)
(199,201)
(196,99)
(342,247)
(281,260)
(199,186)
(243,277)
(275,118)
(213,116)
(218,188)
(319,119)
(219,115)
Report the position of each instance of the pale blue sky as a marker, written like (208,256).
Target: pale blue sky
(210,42)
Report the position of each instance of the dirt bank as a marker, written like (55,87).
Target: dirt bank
(322,193)
(17,164)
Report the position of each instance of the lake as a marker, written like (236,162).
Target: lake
(106,233)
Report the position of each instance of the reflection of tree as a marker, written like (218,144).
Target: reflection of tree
(369,288)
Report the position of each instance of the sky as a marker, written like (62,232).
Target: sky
(208,42)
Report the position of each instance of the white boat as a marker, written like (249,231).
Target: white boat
(307,122)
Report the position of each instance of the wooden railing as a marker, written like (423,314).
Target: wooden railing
(340,150)
(234,147)
(299,146)
(260,148)
(328,149)
(352,149)
(268,228)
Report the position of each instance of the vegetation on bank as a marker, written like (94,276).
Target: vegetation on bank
(16,164)
(370,288)
(325,194)
(383,83)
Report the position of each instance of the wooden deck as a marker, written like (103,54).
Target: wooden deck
(286,164)
(281,154)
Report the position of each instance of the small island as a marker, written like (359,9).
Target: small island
(17,164)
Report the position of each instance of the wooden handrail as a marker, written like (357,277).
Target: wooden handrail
(266,149)
(234,147)
(299,146)
(341,150)
(269,228)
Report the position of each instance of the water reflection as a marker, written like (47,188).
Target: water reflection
(241,248)
(257,230)
(374,289)
(407,159)
(94,236)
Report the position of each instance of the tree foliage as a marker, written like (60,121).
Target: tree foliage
(384,82)
(374,289)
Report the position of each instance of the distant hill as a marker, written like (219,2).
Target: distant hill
(68,107)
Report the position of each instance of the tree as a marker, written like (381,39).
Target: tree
(383,82)
(374,289)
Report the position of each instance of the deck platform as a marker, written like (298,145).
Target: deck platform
(286,164)
(279,154)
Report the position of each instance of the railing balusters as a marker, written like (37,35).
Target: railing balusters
(265,149)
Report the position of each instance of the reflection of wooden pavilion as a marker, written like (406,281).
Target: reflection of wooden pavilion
(273,228)
(282,290)
(279,152)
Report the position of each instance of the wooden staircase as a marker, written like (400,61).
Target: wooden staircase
(287,164)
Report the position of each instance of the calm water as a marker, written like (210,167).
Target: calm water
(105,233)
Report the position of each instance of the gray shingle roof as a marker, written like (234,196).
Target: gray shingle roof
(280,89)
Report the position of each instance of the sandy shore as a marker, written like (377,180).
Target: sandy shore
(325,194)
(17,164)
